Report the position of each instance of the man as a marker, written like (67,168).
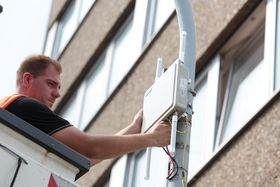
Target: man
(38,86)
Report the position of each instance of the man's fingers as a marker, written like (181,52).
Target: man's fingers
(165,121)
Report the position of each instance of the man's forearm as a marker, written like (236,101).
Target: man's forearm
(119,145)
(130,129)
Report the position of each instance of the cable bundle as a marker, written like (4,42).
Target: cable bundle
(173,165)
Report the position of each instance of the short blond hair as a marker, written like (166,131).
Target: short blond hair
(36,65)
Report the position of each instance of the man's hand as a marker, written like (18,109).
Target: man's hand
(135,126)
(161,133)
(137,121)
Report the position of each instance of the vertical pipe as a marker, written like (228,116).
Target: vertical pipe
(187,56)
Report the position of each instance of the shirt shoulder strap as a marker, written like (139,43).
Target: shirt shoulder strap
(6,101)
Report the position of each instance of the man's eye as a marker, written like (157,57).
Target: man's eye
(51,84)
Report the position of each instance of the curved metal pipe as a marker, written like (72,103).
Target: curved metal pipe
(187,49)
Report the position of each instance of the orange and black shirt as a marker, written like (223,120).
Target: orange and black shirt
(34,112)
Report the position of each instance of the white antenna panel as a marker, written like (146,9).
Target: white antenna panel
(167,95)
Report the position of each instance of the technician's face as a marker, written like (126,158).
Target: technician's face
(46,87)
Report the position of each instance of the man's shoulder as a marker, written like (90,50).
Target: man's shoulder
(28,103)
(37,114)
(27,100)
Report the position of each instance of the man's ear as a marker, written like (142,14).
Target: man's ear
(26,79)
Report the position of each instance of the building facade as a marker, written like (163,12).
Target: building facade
(109,49)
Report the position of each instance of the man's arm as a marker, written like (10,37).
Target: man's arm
(97,148)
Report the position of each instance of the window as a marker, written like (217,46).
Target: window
(158,169)
(135,170)
(95,91)
(66,28)
(118,172)
(243,70)
(72,111)
(162,11)
(204,120)
(157,13)
(50,40)
(122,59)
(199,129)
(243,93)
(85,6)
(62,31)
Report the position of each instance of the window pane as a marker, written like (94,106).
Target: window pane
(72,109)
(247,90)
(162,12)
(158,169)
(204,120)
(139,17)
(50,40)
(118,172)
(198,129)
(123,55)
(69,23)
(95,93)
(86,5)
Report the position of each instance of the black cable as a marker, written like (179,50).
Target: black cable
(171,173)
(15,175)
(20,160)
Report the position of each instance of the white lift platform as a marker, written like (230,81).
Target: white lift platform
(29,157)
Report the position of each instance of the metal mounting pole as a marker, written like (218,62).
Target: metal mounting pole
(187,56)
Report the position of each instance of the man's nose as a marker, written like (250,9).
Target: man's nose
(56,93)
